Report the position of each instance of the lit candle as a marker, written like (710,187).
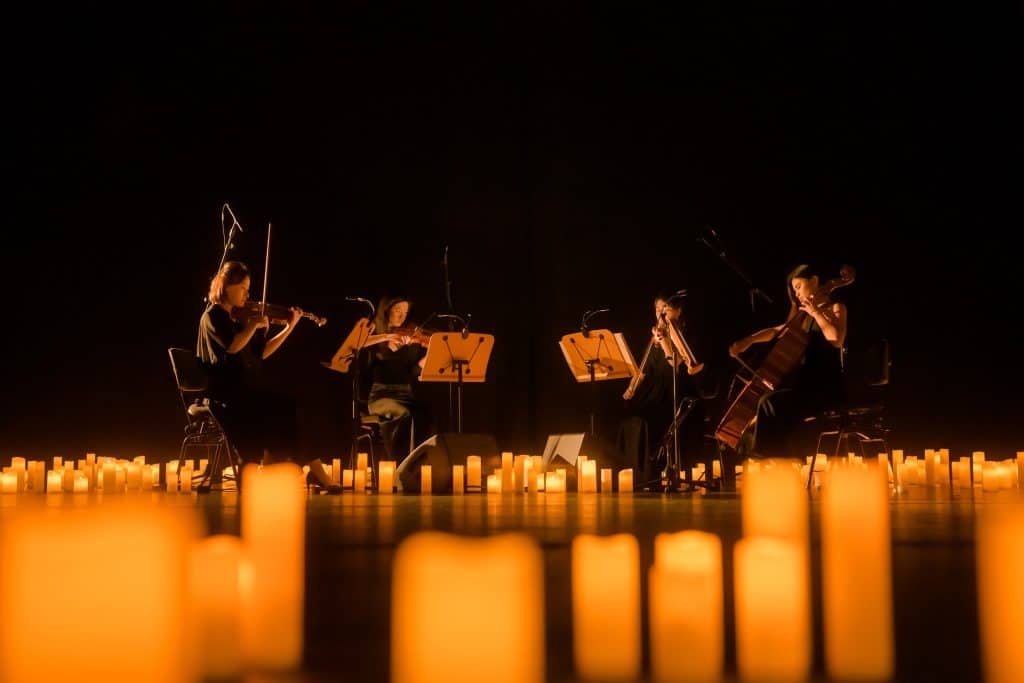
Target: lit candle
(359,480)
(54,482)
(774,503)
(1000,565)
(553,483)
(347,479)
(458,479)
(81,484)
(483,617)
(493,483)
(172,483)
(606,480)
(8,482)
(588,483)
(773,613)
(214,594)
(426,480)
(473,472)
(186,480)
(626,481)
(686,619)
(519,476)
(93,553)
(361,461)
(58,462)
(90,458)
(507,473)
(606,606)
(134,477)
(69,478)
(990,476)
(273,530)
(857,576)
(336,470)
(386,485)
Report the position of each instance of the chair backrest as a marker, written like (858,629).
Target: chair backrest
(189,373)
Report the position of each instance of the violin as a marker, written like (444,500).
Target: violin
(415,334)
(277,315)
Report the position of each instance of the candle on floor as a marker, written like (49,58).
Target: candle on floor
(481,619)
(494,483)
(473,472)
(857,576)
(458,480)
(519,476)
(774,503)
(553,483)
(185,480)
(606,480)
(626,481)
(426,480)
(336,470)
(361,461)
(87,556)
(773,613)
(172,483)
(273,531)
(687,624)
(508,474)
(347,479)
(386,484)
(588,479)
(606,606)
(214,594)
(8,482)
(1000,565)
(359,481)
(54,482)
(81,483)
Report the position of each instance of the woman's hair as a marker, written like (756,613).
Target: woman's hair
(380,321)
(231,273)
(804,270)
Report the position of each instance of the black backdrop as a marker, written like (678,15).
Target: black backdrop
(568,156)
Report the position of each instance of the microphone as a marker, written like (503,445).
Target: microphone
(234,221)
(373,309)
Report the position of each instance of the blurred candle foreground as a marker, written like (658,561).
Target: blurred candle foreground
(214,592)
(773,612)
(686,620)
(774,503)
(1000,566)
(482,617)
(272,588)
(606,606)
(857,576)
(65,573)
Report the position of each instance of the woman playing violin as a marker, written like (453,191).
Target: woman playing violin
(262,424)
(395,362)
(816,384)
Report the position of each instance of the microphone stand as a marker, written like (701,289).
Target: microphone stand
(585,330)
(450,314)
(715,245)
(356,383)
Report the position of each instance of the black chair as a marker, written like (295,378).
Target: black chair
(203,429)
(862,419)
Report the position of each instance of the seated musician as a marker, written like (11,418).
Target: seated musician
(816,384)
(649,397)
(395,358)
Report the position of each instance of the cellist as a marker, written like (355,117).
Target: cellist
(816,385)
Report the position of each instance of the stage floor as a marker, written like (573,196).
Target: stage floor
(351,540)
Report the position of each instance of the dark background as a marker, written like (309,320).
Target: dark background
(568,155)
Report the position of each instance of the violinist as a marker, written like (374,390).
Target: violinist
(396,358)
(649,398)
(233,343)
(783,428)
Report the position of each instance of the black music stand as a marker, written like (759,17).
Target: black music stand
(457,357)
(597,355)
(345,358)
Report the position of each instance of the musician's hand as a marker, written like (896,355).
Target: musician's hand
(627,394)
(296,315)
(658,334)
(258,323)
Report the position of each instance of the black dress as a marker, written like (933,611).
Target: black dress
(407,419)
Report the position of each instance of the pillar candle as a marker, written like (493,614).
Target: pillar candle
(90,458)
(81,484)
(147,476)
(606,606)
(8,482)
(426,480)
(606,480)
(386,484)
(473,472)
(18,463)
(518,469)
(507,473)
(172,483)
(552,482)
(989,476)
(687,624)
(483,617)
(359,480)
(86,558)
(1000,564)
(347,479)
(54,482)
(533,480)
(857,577)
(458,479)
(215,564)
(588,482)
(626,481)
(69,479)
(134,477)
(774,503)
(537,465)
(773,613)
(361,460)
(273,531)
(1020,468)
(58,462)
(186,480)
(493,483)
(527,471)
(336,470)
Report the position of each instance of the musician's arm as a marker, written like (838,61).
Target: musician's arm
(274,343)
(832,321)
(765,335)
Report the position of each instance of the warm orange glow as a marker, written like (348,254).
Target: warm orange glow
(1000,562)
(473,472)
(273,531)
(773,611)
(465,610)
(687,628)
(774,503)
(216,605)
(588,477)
(458,479)
(626,481)
(386,482)
(606,606)
(857,575)
(97,581)
(426,480)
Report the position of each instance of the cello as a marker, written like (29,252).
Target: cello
(782,359)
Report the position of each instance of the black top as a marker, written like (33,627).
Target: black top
(820,374)
(228,372)
(396,367)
